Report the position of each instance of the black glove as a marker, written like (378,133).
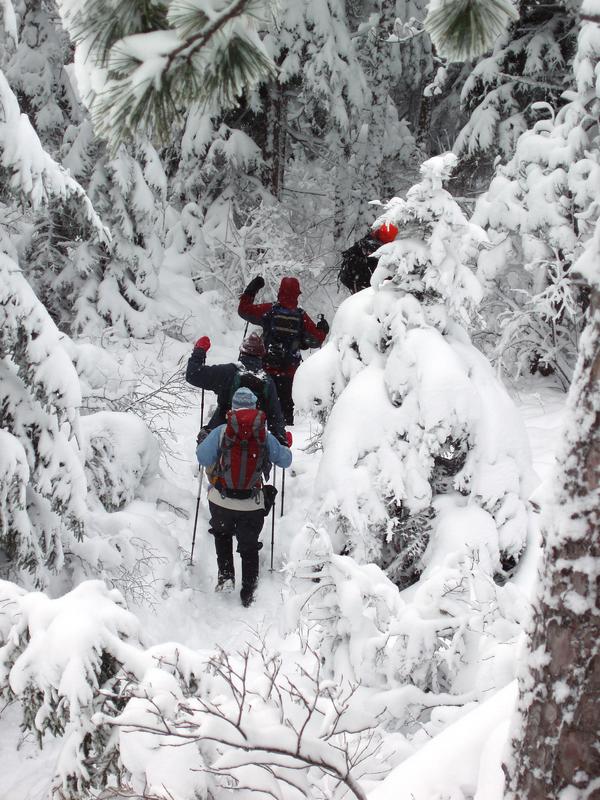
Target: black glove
(255,285)
(322,324)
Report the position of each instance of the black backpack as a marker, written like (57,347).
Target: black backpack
(257,382)
(283,329)
(358,265)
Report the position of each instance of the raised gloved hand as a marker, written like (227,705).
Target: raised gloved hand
(255,285)
(322,324)
(203,344)
(289,438)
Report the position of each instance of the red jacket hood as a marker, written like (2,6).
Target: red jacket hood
(289,289)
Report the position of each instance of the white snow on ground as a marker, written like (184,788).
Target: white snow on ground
(180,605)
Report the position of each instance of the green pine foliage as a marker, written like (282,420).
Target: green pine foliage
(465,29)
(530,63)
(159,58)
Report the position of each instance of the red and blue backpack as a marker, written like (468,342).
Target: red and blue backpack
(243,457)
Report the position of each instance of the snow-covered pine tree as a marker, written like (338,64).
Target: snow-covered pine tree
(395,73)
(35,66)
(129,191)
(539,211)
(412,410)
(325,94)
(42,482)
(530,62)
(554,750)
(84,284)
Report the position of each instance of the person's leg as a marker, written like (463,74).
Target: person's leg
(221,528)
(284,392)
(249,526)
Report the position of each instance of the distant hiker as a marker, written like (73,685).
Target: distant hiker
(225,379)
(237,456)
(357,262)
(287,329)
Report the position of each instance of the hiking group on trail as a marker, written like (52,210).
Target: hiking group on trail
(235,447)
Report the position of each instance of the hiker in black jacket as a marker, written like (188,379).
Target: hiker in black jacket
(358,263)
(225,379)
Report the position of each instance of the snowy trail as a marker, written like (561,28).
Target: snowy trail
(190,612)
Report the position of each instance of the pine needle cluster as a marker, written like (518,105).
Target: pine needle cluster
(154,59)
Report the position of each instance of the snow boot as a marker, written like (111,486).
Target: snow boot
(249,577)
(226,577)
(225,584)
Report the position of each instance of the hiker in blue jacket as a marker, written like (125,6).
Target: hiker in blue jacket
(236,511)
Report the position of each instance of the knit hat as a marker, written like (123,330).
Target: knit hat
(253,345)
(385,233)
(243,398)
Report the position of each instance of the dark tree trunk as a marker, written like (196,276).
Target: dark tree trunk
(276,136)
(557,742)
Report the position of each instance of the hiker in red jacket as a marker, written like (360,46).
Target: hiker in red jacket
(287,329)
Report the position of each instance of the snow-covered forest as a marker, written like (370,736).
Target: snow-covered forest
(425,624)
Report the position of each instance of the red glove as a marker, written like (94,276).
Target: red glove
(203,344)
(289,438)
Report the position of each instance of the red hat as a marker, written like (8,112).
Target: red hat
(385,233)
(253,345)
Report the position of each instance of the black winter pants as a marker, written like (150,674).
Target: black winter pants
(246,527)
(284,385)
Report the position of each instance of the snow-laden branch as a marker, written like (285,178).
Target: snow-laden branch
(34,175)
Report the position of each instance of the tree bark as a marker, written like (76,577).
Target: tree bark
(276,139)
(556,742)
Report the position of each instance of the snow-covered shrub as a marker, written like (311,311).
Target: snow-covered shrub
(249,726)
(539,212)
(120,454)
(453,638)
(170,722)
(412,409)
(140,383)
(56,659)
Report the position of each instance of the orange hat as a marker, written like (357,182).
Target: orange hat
(386,232)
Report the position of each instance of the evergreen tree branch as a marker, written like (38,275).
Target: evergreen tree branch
(465,29)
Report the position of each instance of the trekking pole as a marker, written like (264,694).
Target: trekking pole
(273,522)
(196,517)
(201,475)
(282,490)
